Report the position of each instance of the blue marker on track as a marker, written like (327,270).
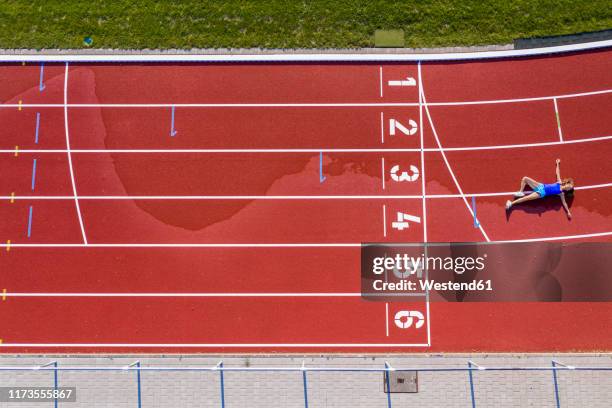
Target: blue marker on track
(33,174)
(37,127)
(476,222)
(321,176)
(172,130)
(30,223)
(41,86)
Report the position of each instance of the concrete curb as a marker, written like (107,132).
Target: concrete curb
(253,51)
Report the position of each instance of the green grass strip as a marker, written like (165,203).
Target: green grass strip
(289,23)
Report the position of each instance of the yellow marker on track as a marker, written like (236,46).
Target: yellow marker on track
(3,294)
(12,197)
(8,245)
(20,102)
(16,151)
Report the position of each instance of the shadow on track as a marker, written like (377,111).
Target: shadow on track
(549,203)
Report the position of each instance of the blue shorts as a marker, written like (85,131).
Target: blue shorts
(540,190)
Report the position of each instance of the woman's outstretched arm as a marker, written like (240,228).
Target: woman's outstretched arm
(569,214)
(558,171)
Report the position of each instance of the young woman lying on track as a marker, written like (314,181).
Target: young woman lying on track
(540,190)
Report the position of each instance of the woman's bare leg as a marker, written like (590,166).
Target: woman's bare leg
(528,181)
(530,197)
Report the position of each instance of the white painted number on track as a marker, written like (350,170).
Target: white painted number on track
(404,319)
(395,125)
(402,221)
(404,175)
(409,81)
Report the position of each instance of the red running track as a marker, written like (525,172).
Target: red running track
(223,237)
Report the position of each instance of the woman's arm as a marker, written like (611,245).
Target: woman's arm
(569,214)
(558,171)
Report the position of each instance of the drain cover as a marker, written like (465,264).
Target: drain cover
(402,381)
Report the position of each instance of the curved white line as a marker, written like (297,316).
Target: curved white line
(523,145)
(448,166)
(74,190)
(516,100)
(593,235)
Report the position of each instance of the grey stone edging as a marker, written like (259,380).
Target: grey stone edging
(253,51)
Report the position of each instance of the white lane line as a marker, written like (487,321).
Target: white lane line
(303,105)
(424,201)
(382,164)
(380,76)
(317,150)
(206,345)
(450,170)
(212,105)
(387,318)
(188,245)
(384,209)
(558,120)
(273,245)
(286,197)
(206,295)
(74,190)
(382,127)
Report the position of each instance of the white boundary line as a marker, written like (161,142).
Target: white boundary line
(384,208)
(297,57)
(75,197)
(558,119)
(380,74)
(382,127)
(270,245)
(191,294)
(207,345)
(375,150)
(423,199)
(450,170)
(286,197)
(302,105)
(204,295)
(387,319)
(382,165)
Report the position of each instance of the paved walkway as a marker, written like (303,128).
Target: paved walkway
(324,389)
